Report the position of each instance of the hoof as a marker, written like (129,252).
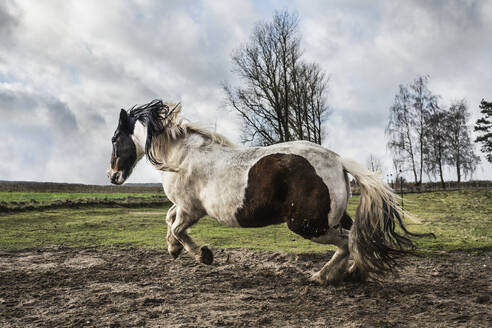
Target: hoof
(206,255)
(333,282)
(174,251)
(355,275)
(317,278)
(323,281)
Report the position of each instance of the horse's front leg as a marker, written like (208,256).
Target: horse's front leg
(174,247)
(182,222)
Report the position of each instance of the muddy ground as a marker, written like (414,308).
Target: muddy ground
(98,287)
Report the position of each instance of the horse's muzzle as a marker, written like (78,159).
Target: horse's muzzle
(115,177)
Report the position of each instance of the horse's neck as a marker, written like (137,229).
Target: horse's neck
(174,153)
(187,148)
(171,153)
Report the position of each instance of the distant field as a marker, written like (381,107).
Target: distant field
(48,197)
(40,201)
(32,186)
(461,220)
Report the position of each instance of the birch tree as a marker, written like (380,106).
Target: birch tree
(407,126)
(436,143)
(461,155)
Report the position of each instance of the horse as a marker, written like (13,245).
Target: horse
(298,183)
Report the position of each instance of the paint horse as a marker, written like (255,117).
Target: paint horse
(298,183)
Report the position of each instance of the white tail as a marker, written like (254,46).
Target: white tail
(374,243)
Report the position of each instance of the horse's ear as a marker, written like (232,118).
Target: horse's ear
(123,123)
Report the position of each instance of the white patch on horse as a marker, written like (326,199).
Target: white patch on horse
(139,136)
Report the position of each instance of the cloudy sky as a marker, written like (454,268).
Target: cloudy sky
(67,67)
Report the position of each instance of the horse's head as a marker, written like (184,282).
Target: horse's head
(136,135)
(124,155)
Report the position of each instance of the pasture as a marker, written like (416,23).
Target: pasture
(85,265)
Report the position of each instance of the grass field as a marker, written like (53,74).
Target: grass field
(461,220)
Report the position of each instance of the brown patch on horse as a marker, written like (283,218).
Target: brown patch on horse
(285,188)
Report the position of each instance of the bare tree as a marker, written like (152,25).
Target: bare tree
(308,108)
(484,127)
(424,102)
(407,124)
(400,131)
(461,155)
(282,97)
(436,143)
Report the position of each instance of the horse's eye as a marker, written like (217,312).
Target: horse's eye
(113,139)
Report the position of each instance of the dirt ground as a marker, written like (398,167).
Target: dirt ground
(96,287)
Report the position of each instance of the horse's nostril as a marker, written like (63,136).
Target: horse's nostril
(114,178)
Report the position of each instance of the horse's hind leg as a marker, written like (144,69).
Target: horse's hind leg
(355,274)
(335,270)
(174,247)
(182,222)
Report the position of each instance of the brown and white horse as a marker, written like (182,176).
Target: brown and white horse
(298,183)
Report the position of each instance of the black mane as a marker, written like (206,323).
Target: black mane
(147,113)
(150,115)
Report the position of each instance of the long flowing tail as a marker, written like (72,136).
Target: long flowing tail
(374,243)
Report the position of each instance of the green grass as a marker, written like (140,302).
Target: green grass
(461,220)
(113,227)
(277,237)
(46,197)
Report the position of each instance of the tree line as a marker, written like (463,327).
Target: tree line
(424,136)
